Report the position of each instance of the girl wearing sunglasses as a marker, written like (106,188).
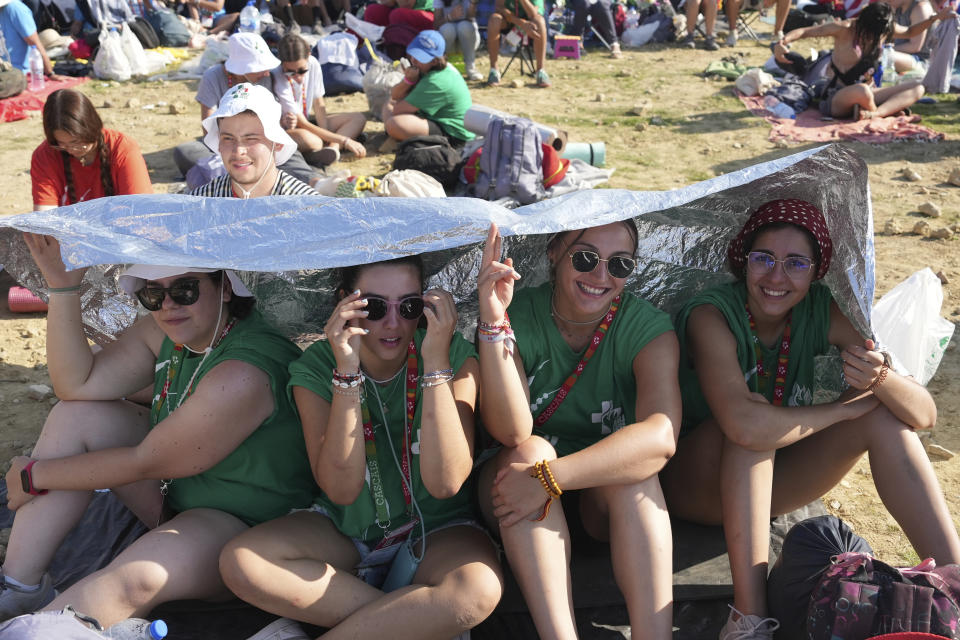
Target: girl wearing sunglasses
(391,546)
(80,160)
(218,450)
(299,84)
(583,396)
(755,444)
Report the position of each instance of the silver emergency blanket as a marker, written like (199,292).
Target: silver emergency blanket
(285,247)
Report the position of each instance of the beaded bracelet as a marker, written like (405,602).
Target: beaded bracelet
(541,471)
(440,373)
(881,377)
(503,332)
(346,380)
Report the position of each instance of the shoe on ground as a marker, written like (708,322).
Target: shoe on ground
(474,76)
(322,157)
(732,39)
(281,629)
(543,80)
(688,42)
(748,627)
(615,52)
(14,601)
(710,44)
(494,78)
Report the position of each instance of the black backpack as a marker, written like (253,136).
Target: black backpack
(145,33)
(433,155)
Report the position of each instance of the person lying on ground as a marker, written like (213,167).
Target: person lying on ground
(857,46)
(526,17)
(755,443)
(245,132)
(79,159)
(219,449)
(586,406)
(390,437)
(432,98)
(248,60)
(299,82)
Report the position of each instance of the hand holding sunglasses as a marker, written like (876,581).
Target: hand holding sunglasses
(343,334)
(441,313)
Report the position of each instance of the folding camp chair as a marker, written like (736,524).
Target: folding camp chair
(524,52)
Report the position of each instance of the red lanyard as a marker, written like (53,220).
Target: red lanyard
(370,445)
(781,378)
(173,369)
(303,94)
(601,331)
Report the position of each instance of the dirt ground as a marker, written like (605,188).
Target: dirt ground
(664,126)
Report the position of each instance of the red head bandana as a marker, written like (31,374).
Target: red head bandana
(798,212)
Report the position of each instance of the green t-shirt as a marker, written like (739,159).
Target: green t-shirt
(604,397)
(443,97)
(512,6)
(809,332)
(423,5)
(268,473)
(358,520)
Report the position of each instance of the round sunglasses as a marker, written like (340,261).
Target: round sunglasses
(409,308)
(762,263)
(586,261)
(184,292)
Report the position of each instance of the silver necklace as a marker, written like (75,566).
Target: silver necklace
(556,314)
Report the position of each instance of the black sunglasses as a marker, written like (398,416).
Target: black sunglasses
(409,308)
(296,72)
(586,261)
(184,292)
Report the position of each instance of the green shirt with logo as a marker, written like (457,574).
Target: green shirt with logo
(809,332)
(268,473)
(313,371)
(604,397)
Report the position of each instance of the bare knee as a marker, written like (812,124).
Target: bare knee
(533,449)
(235,569)
(473,591)
(142,582)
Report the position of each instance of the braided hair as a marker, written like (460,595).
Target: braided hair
(72,112)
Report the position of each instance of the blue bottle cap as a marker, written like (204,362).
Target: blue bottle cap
(158,630)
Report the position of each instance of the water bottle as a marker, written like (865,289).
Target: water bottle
(137,629)
(889,67)
(35,64)
(777,108)
(250,18)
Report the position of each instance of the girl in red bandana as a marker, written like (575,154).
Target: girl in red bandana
(755,443)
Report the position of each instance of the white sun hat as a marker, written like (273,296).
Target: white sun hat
(248,53)
(136,277)
(251,97)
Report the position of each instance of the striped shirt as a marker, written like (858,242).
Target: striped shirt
(286,185)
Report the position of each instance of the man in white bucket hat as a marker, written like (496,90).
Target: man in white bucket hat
(248,60)
(245,132)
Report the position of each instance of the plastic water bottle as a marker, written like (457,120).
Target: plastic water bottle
(35,64)
(250,18)
(777,108)
(889,67)
(137,629)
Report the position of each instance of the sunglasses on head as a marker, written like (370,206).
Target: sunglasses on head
(184,292)
(586,261)
(409,308)
(762,263)
(296,72)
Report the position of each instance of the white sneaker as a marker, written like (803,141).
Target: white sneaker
(281,629)
(14,601)
(732,39)
(748,627)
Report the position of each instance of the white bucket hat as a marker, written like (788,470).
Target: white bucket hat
(248,53)
(136,277)
(251,97)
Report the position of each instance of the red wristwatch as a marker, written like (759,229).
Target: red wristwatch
(26,479)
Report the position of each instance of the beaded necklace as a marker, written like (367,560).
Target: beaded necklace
(784,355)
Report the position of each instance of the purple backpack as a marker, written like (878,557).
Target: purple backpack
(860,597)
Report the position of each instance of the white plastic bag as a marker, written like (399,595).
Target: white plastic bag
(378,81)
(755,81)
(134,52)
(214,52)
(410,183)
(908,324)
(111,62)
(639,35)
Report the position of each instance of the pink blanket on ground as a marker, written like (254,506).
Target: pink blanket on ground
(16,108)
(809,127)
